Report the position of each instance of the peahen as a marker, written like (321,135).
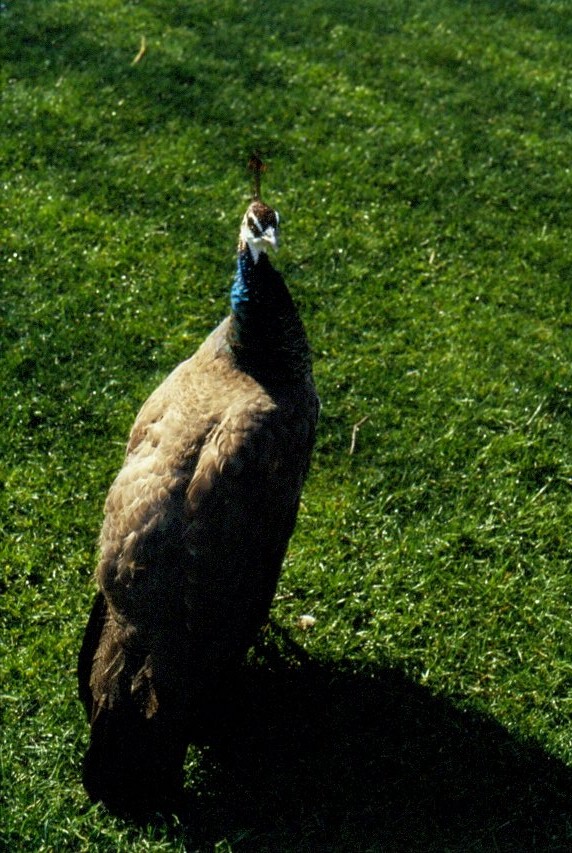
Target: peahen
(196,527)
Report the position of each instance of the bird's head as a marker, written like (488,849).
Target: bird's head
(260,229)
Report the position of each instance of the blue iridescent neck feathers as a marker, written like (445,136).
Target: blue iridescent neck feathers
(240,291)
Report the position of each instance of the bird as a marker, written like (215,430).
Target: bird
(196,526)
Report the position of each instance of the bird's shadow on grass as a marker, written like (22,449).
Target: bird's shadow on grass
(309,756)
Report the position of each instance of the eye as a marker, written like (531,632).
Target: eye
(254,225)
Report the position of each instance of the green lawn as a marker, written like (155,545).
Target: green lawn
(419,154)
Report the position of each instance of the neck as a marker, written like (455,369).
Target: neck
(243,280)
(267,336)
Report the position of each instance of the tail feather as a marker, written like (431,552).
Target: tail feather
(89,646)
(134,764)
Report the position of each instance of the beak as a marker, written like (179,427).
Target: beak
(272,237)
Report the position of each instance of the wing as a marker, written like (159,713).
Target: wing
(240,524)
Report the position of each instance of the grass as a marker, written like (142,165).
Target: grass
(419,156)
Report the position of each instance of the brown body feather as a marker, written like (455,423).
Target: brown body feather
(196,527)
(197,523)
